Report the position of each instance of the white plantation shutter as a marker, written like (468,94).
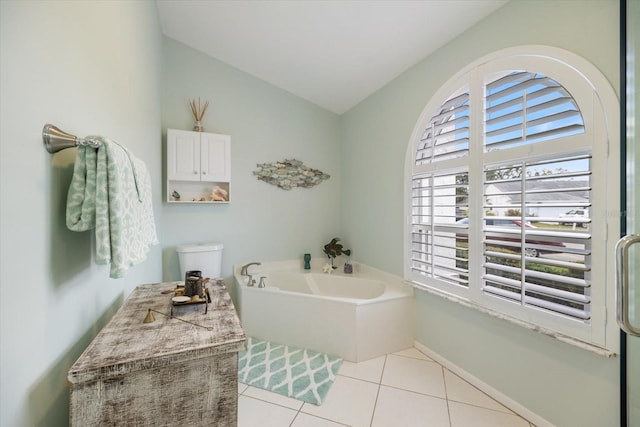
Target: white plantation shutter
(504,177)
(447,135)
(514,267)
(524,108)
(439,248)
(439,243)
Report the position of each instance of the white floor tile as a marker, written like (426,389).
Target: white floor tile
(461,391)
(463,415)
(400,408)
(350,401)
(275,398)
(370,370)
(253,412)
(241,387)
(416,375)
(413,352)
(306,420)
(413,392)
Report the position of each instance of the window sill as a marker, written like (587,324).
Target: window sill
(544,331)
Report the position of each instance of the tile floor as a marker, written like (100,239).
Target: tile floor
(400,389)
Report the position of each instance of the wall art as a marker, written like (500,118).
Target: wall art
(289,174)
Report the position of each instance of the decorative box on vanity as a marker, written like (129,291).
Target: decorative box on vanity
(174,371)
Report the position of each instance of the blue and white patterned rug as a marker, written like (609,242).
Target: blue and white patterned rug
(302,374)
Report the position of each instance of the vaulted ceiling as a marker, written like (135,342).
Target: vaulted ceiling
(331,53)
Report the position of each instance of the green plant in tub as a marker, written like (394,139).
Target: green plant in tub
(334,249)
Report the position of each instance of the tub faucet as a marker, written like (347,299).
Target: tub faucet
(244,270)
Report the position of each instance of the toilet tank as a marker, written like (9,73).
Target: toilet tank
(206,257)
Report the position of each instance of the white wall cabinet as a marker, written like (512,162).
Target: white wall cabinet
(197,163)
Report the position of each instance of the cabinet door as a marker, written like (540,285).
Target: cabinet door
(215,157)
(183,155)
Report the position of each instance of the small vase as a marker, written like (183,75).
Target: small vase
(198,126)
(348,267)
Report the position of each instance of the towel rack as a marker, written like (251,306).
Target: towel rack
(55,139)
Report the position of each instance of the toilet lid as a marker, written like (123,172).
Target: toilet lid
(200,247)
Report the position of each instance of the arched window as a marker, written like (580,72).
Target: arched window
(511,178)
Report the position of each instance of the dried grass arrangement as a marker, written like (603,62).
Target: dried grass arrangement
(198,113)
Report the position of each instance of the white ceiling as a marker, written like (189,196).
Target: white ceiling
(331,53)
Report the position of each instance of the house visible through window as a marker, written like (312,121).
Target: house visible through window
(506,173)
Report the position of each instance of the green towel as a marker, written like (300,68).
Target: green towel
(111,191)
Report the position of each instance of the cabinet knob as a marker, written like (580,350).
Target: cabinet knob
(195,172)
(204,172)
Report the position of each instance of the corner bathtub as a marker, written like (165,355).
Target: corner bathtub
(355,316)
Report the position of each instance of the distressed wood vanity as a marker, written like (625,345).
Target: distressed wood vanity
(167,372)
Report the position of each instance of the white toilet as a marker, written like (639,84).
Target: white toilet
(206,257)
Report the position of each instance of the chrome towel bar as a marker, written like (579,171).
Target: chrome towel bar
(55,139)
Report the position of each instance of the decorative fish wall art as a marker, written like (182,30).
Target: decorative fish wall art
(289,173)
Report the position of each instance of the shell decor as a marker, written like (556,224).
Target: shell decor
(289,174)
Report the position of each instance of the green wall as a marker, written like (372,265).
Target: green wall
(88,68)
(564,385)
(266,124)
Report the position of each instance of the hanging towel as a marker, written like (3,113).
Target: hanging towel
(111,191)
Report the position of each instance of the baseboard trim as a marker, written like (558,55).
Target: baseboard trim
(503,399)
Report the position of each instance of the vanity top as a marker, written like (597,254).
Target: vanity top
(126,344)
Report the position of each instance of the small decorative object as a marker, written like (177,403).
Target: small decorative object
(149,318)
(334,249)
(175,195)
(348,267)
(198,113)
(219,195)
(192,273)
(328,268)
(307,260)
(289,174)
(193,286)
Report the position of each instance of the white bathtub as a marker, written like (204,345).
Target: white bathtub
(356,316)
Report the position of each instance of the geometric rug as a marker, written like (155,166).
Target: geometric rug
(302,374)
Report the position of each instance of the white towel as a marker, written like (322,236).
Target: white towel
(111,191)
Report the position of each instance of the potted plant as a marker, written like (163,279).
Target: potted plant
(334,249)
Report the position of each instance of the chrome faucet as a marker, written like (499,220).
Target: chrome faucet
(244,270)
